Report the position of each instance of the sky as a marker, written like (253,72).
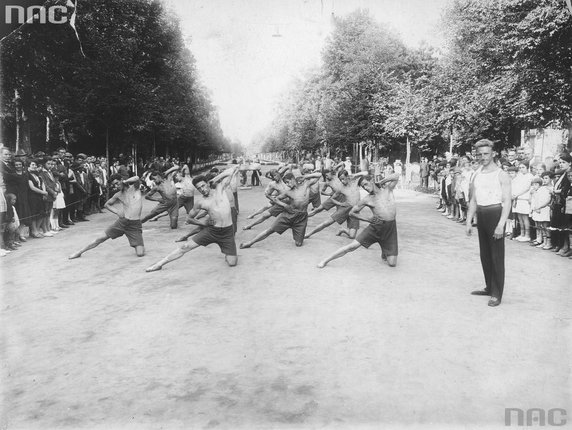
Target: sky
(248,51)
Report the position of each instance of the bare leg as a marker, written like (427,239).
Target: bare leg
(320,228)
(92,245)
(140,250)
(260,220)
(176,254)
(258,238)
(339,253)
(259,211)
(391,260)
(315,211)
(351,233)
(231,260)
(158,216)
(189,234)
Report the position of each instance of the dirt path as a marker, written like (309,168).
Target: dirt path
(275,342)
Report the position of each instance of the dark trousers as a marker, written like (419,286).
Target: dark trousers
(492,250)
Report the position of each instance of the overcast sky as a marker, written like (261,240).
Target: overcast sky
(247,51)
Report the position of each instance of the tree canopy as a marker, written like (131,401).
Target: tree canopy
(136,83)
(507,66)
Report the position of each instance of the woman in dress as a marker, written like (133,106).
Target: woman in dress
(17,184)
(36,198)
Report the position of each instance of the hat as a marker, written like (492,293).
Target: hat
(20,153)
(81,155)
(68,154)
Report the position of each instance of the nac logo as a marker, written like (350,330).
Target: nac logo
(535,417)
(15,14)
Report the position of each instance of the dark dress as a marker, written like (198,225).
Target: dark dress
(18,185)
(36,200)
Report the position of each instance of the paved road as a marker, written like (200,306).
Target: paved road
(275,342)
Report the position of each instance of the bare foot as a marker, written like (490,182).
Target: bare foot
(250,216)
(245,245)
(321,264)
(246,227)
(307,236)
(153,220)
(76,255)
(339,233)
(153,268)
(181,239)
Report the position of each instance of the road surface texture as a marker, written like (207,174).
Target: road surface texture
(276,343)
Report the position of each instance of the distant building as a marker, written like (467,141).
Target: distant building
(545,142)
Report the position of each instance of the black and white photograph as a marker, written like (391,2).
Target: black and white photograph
(285,214)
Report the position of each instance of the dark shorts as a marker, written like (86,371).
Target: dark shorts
(186,202)
(296,221)
(128,227)
(222,236)
(315,199)
(384,233)
(275,210)
(169,206)
(342,214)
(328,204)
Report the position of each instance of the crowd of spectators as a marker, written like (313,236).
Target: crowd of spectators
(541,212)
(43,194)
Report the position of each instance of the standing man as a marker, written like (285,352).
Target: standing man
(295,215)
(491,201)
(217,227)
(382,228)
(127,205)
(424,172)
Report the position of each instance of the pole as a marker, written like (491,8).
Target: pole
(108,160)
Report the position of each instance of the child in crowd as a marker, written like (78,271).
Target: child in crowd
(540,208)
(11,224)
(511,221)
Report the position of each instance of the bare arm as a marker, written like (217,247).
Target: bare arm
(334,200)
(506,204)
(171,170)
(193,219)
(225,176)
(112,200)
(355,212)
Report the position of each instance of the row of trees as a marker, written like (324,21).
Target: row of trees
(507,66)
(132,80)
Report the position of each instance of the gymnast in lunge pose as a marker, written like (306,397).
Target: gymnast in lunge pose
(218,227)
(213,178)
(274,188)
(127,204)
(275,177)
(331,185)
(345,198)
(382,228)
(295,214)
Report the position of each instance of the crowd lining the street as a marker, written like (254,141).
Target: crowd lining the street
(41,195)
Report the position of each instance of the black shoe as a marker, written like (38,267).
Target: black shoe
(82,220)
(480,293)
(494,302)
(64,225)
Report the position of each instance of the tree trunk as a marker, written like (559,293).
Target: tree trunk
(451,141)
(108,160)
